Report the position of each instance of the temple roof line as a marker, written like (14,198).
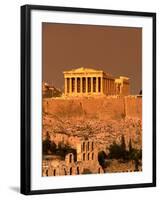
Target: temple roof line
(82,69)
(86,70)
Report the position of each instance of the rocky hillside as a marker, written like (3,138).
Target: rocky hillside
(104,132)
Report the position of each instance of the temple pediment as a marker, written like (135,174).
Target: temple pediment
(83,70)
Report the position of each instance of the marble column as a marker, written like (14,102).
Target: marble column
(121,89)
(75,89)
(96,84)
(101,84)
(81,85)
(86,84)
(91,84)
(109,86)
(65,85)
(104,85)
(70,85)
(114,92)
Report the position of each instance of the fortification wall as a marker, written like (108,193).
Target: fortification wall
(100,108)
(133,107)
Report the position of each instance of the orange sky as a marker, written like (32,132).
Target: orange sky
(116,50)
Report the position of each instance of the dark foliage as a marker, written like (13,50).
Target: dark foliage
(140,92)
(50,148)
(86,171)
(118,151)
(102,158)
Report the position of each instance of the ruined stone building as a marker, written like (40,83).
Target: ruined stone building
(84,81)
(49,91)
(85,161)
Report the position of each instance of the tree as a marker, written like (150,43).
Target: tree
(140,92)
(123,144)
(48,146)
(140,154)
(115,151)
(118,151)
(53,147)
(102,158)
(130,146)
(124,153)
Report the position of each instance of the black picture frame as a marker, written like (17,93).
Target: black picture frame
(26,98)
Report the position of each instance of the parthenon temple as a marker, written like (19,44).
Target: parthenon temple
(84,81)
